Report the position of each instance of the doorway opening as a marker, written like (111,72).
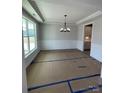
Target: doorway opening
(87,38)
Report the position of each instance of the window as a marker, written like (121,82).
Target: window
(29,36)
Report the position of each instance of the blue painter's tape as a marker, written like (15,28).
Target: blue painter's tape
(88,89)
(64,81)
(70,87)
(46,85)
(84,77)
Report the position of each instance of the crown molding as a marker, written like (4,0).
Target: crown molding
(59,23)
(26,7)
(98,13)
(35,7)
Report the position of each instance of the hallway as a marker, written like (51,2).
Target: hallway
(64,71)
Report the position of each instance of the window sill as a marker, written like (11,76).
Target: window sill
(31,52)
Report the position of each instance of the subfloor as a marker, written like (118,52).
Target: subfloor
(64,71)
(87,52)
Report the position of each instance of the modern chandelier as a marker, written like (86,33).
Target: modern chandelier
(65,28)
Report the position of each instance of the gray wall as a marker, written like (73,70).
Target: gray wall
(96,45)
(96,40)
(24,78)
(51,32)
(52,38)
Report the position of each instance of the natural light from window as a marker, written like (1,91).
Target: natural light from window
(29,36)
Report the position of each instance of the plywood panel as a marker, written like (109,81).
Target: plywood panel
(95,91)
(85,83)
(60,55)
(42,72)
(59,88)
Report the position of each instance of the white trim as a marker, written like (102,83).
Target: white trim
(28,54)
(91,22)
(58,44)
(28,19)
(98,13)
(59,23)
(35,28)
(84,32)
(30,9)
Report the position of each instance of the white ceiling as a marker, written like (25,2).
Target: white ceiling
(26,5)
(54,10)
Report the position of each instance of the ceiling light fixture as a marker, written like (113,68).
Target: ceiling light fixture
(65,29)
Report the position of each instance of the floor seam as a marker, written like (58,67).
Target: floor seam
(64,81)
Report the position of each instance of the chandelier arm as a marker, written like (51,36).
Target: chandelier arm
(65,29)
(65,22)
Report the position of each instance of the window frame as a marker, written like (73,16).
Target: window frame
(35,30)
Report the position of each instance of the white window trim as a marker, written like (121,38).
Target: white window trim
(28,54)
(31,51)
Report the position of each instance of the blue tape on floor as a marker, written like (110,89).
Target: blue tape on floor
(64,81)
(70,87)
(88,89)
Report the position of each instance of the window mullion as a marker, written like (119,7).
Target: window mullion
(35,32)
(28,35)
